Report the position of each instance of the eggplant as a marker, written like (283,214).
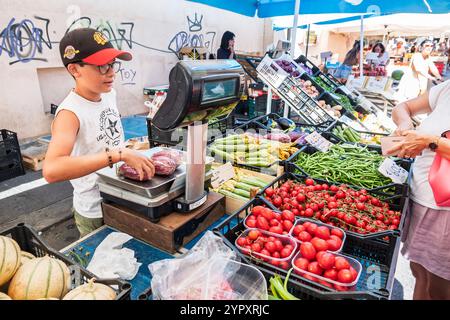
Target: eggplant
(284,123)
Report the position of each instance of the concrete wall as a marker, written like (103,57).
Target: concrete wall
(31,73)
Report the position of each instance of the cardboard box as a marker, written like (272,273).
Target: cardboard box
(172,231)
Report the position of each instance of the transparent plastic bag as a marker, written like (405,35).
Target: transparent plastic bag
(208,271)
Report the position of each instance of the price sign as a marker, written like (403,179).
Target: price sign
(318,142)
(222,174)
(393,171)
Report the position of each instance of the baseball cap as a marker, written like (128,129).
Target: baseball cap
(90,46)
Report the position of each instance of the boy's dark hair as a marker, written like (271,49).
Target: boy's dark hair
(227,36)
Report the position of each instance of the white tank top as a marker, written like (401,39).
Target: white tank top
(100,127)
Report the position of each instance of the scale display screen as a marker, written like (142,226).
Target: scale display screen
(218,90)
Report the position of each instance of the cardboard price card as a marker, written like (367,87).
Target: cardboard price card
(390,169)
(318,142)
(222,174)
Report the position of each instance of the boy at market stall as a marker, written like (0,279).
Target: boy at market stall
(87,133)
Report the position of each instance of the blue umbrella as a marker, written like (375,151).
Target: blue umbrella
(275,8)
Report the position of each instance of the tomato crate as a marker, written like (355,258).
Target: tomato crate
(29,241)
(375,281)
(397,202)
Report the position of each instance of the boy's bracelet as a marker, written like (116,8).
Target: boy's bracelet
(110,160)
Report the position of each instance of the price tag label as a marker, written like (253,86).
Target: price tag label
(318,142)
(222,174)
(393,171)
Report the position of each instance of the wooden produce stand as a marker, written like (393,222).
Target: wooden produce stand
(173,230)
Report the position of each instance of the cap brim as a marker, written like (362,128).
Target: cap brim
(106,55)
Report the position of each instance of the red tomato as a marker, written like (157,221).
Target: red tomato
(289,247)
(257,210)
(301,263)
(270,246)
(297,229)
(277,202)
(269,192)
(325,186)
(285,253)
(256,247)
(319,255)
(287,225)
(308,251)
(284,265)
(251,223)
(253,234)
(334,188)
(318,187)
(360,206)
(319,244)
(276,254)
(330,274)
(272,238)
(340,195)
(295,212)
(337,233)
(309,182)
(301,198)
(326,261)
(274,223)
(304,236)
(278,229)
(311,278)
(323,232)
(311,228)
(353,273)
(275,263)
(278,245)
(251,217)
(288,215)
(314,267)
(262,223)
(345,276)
(341,263)
(266,253)
(241,241)
(325,283)
(306,224)
(332,205)
(267,213)
(340,288)
(333,245)
(315,207)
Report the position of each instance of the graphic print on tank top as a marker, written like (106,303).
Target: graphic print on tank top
(110,128)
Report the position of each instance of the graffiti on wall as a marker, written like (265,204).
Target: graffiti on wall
(23,41)
(127,76)
(194,37)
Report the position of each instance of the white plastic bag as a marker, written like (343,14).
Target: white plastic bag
(208,271)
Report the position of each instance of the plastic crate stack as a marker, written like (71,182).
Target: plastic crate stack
(10,157)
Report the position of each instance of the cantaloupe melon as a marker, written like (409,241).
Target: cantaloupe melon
(9,259)
(91,291)
(4,296)
(25,256)
(40,278)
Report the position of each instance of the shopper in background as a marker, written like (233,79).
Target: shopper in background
(423,69)
(427,226)
(226,50)
(351,58)
(378,56)
(399,50)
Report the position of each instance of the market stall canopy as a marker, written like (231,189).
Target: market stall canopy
(286,22)
(276,8)
(401,24)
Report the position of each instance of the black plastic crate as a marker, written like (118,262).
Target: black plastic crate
(396,195)
(306,77)
(28,240)
(301,59)
(329,84)
(230,229)
(10,156)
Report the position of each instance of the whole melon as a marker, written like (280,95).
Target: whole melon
(4,296)
(25,256)
(91,291)
(9,259)
(44,277)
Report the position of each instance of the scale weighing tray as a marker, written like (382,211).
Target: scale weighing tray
(153,188)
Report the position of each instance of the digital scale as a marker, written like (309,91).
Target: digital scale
(198,91)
